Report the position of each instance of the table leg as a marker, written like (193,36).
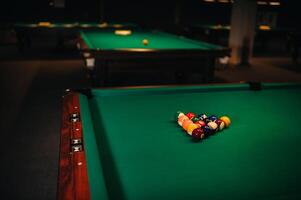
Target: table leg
(100,73)
(60,40)
(23,39)
(208,67)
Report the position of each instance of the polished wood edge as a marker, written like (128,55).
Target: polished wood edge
(81,45)
(73,178)
(125,54)
(160,86)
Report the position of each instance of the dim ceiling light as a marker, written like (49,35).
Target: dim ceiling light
(262,3)
(223,1)
(274,3)
(44,24)
(123,32)
(264,27)
(209,0)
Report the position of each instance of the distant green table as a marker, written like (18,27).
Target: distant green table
(219,33)
(70,25)
(26,31)
(104,46)
(125,144)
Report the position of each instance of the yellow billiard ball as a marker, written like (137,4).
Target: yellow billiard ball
(226,120)
(145,42)
(191,127)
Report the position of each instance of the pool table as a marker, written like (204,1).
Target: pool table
(101,48)
(124,143)
(27,31)
(219,34)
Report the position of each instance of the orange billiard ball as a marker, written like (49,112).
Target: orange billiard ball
(145,42)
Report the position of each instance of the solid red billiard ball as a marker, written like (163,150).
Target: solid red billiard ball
(200,123)
(190,115)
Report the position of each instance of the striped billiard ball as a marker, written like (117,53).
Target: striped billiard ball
(213,125)
(220,124)
(202,117)
(182,119)
(179,114)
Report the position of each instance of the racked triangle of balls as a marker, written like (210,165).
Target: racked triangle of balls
(200,126)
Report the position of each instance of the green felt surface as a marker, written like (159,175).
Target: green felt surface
(144,154)
(107,39)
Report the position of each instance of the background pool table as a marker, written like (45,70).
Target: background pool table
(102,48)
(130,147)
(26,32)
(219,34)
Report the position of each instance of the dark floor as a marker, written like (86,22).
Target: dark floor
(30,124)
(30,108)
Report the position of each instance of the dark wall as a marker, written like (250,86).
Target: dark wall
(38,10)
(143,12)
(163,11)
(149,13)
(290,13)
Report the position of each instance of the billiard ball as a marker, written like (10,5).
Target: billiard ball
(207,120)
(202,117)
(191,127)
(145,42)
(182,119)
(195,119)
(212,125)
(200,123)
(220,123)
(190,115)
(212,118)
(179,114)
(226,120)
(186,124)
(207,130)
(198,134)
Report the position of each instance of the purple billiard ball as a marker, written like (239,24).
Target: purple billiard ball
(198,134)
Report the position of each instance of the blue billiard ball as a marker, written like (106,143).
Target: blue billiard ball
(212,118)
(207,130)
